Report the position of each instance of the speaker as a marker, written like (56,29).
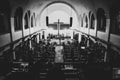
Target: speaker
(47,20)
(71,19)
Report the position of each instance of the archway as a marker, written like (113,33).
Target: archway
(58,10)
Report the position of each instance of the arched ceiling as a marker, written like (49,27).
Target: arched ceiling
(60,7)
(83,2)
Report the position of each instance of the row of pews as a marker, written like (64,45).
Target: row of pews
(33,60)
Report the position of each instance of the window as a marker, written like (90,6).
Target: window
(29,13)
(101,20)
(85,21)
(2,24)
(18,19)
(92,22)
(32,21)
(80,18)
(115,21)
(4,27)
(81,22)
(90,14)
(118,22)
(5,11)
(26,21)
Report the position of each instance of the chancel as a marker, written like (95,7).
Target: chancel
(59,40)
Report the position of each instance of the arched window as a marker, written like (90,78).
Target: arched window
(90,14)
(29,13)
(5,11)
(26,21)
(18,19)
(2,23)
(81,21)
(85,21)
(92,22)
(34,21)
(101,20)
(115,20)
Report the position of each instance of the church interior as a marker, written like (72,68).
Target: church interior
(59,40)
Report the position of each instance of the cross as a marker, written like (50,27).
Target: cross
(58,26)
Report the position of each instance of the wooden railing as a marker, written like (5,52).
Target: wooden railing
(109,44)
